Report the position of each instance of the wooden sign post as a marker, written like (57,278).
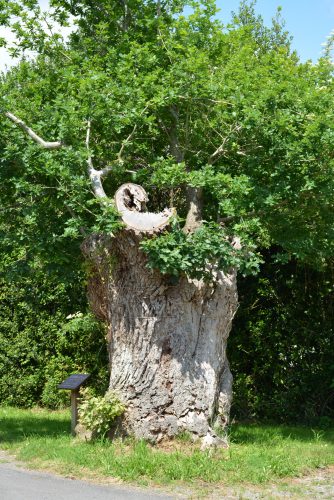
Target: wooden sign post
(73,384)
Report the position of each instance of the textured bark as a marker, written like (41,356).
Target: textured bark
(195,204)
(167,340)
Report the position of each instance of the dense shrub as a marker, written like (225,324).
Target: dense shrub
(282,343)
(45,334)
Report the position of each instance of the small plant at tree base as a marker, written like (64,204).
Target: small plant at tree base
(97,413)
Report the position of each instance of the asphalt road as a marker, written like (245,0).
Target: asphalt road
(21,484)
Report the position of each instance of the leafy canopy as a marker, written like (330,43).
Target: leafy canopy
(188,102)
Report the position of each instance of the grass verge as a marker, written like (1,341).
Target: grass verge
(258,453)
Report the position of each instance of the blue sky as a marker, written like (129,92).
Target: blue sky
(308,21)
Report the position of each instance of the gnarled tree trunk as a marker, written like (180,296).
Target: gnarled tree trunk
(167,340)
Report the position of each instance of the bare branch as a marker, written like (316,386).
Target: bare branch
(49,26)
(164,128)
(32,134)
(71,212)
(94,175)
(124,143)
(109,168)
(106,170)
(162,42)
(221,150)
(97,175)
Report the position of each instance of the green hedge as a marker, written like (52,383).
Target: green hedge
(45,335)
(282,344)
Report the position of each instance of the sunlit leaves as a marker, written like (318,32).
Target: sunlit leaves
(187,102)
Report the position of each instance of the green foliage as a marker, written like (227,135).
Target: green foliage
(80,347)
(281,345)
(98,413)
(188,102)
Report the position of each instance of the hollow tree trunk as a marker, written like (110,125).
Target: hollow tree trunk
(167,340)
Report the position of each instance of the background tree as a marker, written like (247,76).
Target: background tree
(224,124)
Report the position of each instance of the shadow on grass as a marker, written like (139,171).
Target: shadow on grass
(268,433)
(16,427)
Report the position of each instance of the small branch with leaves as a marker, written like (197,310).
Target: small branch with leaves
(95,176)
(135,217)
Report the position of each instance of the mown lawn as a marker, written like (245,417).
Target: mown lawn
(258,453)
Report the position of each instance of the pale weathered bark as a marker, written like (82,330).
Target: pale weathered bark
(195,209)
(167,340)
(131,202)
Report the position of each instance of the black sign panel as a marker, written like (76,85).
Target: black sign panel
(75,381)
